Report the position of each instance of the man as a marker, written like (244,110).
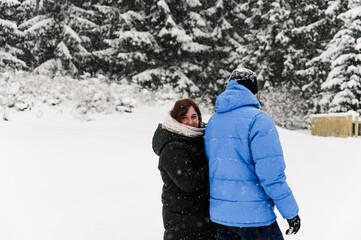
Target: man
(246,166)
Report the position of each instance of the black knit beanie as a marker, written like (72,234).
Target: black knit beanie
(246,78)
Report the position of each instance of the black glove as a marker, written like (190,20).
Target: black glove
(295,224)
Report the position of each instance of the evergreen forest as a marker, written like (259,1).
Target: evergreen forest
(306,53)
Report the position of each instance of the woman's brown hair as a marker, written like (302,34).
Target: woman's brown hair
(181,108)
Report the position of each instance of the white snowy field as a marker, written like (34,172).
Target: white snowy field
(66,180)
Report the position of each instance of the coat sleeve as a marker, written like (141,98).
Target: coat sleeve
(176,161)
(269,163)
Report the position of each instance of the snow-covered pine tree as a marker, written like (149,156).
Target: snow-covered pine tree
(342,88)
(220,61)
(86,34)
(309,37)
(26,10)
(158,43)
(124,38)
(236,15)
(268,39)
(268,49)
(308,30)
(56,37)
(107,18)
(10,36)
(176,55)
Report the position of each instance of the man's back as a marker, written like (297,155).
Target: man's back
(246,163)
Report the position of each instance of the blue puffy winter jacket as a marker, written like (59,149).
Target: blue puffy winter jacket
(246,166)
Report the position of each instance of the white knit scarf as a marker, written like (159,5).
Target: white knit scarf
(174,126)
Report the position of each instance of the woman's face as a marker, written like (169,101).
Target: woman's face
(191,118)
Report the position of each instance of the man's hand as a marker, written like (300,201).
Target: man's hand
(295,224)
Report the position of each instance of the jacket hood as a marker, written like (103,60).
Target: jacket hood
(162,137)
(235,96)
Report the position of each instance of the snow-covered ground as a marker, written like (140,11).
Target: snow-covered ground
(99,180)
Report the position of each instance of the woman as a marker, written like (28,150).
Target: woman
(184,170)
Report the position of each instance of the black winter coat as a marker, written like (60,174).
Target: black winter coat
(185,195)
